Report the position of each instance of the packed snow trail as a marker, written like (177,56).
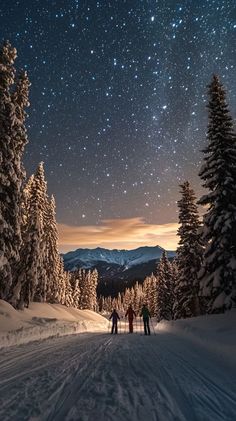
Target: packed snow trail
(101,377)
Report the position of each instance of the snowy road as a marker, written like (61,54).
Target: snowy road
(98,377)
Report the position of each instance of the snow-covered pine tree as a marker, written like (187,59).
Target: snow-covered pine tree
(31,272)
(146,288)
(127,298)
(189,255)
(153,298)
(39,203)
(115,303)
(76,291)
(52,256)
(83,284)
(20,99)
(77,278)
(68,300)
(60,293)
(25,203)
(138,297)
(218,275)
(88,287)
(149,294)
(108,304)
(164,288)
(93,290)
(10,182)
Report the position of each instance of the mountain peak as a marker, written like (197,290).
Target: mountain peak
(88,258)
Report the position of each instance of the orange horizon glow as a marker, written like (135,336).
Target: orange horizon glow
(127,234)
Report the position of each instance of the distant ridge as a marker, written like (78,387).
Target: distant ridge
(87,258)
(117,269)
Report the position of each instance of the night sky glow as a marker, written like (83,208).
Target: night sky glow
(118,106)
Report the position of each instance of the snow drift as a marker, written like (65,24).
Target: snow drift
(41,321)
(215,332)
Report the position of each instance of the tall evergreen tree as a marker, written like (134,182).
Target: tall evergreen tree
(149,295)
(76,292)
(189,255)
(164,289)
(10,183)
(88,287)
(31,283)
(93,290)
(39,203)
(218,275)
(20,99)
(68,297)
(138,297)
(52,256)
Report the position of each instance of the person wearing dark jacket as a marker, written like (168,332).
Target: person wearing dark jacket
(131,314)
(145,313)
(115,317)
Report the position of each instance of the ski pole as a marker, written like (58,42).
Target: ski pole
(152,326)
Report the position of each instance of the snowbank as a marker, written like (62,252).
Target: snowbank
(43,320)
(216,332)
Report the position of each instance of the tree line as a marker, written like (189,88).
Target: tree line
(31,268)
(202,278)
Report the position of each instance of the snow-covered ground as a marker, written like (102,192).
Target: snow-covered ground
(217,333)
(42,321)
(185,372)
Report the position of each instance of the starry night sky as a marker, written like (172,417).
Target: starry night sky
(118,98)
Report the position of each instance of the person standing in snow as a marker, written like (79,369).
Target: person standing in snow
(115,317)
(145,314)
(131,314)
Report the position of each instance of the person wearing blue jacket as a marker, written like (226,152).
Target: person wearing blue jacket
(115,317)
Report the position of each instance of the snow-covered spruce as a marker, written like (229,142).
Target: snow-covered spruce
(138,297)
(150,295)
(12,141)
(86,284)
(189,255)
(32,273)
(218,275)
(41,276)
(165,289)
(55,274)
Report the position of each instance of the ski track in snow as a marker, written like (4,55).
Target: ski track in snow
(102,377)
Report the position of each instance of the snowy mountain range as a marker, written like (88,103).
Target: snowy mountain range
(87,258)
(117,268)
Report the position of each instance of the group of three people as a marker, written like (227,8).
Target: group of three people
(130,313)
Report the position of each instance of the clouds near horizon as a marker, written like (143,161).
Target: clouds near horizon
(118,233)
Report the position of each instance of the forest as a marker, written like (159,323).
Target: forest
(200,280)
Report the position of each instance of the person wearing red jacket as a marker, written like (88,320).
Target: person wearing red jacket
(131,314)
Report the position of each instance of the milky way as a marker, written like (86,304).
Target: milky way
(118,98)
